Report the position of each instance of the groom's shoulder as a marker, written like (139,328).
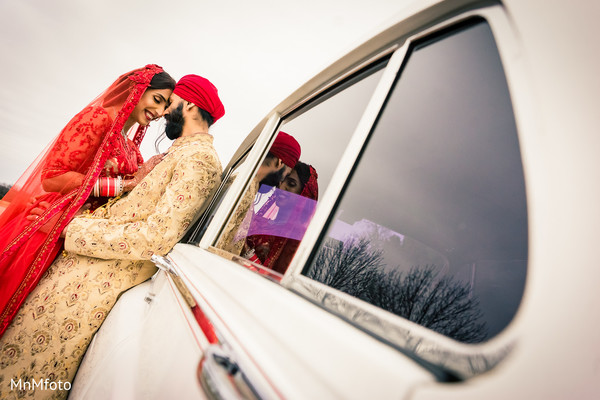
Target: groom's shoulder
(199,154)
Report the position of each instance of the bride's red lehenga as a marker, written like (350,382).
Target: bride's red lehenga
(93,137)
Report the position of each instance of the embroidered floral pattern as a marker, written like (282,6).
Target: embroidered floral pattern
(75,147)
(233,237)
(75,297)
(50,333)
(155,215)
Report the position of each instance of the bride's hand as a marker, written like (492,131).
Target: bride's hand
(111,167)
(37,211)
(141,173)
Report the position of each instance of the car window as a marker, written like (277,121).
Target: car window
(270,220)
(432,225)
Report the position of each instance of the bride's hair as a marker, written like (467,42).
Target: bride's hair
(162,80)
(303,171)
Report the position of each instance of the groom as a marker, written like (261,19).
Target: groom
(154,216)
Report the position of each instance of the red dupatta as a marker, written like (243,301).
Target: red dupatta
(85,144)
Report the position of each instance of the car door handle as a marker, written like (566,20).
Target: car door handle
(163,264)
(222,378)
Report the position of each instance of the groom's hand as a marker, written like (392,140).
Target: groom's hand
(141,173)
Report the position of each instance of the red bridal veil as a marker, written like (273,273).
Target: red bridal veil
(84,146)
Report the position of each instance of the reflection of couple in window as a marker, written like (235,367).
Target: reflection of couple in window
(279,224)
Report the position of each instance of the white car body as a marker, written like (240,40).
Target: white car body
(291,346)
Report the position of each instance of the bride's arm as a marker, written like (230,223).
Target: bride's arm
(63,183)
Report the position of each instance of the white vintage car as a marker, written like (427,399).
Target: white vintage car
(453,250)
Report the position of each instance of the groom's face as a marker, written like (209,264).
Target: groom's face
(274,178)
(174,101)
(174,117)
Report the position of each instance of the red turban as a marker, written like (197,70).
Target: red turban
(286,148)
(202,93)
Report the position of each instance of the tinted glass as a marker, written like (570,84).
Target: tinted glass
(269,222)
(433,223)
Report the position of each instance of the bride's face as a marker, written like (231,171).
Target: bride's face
(291,183)
(151,106)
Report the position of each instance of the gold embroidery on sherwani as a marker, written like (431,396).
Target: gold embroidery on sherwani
(107,253)
(234,236)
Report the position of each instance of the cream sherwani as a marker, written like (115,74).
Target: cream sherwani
(234,236)
(107,252)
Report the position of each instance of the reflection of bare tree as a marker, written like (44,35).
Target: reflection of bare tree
(442,304)
(348,266)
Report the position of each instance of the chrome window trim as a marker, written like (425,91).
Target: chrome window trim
(461,360)
(347,162)
(458,360)
(338,79)
(241,183)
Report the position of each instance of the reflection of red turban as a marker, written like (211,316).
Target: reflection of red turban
(202,93)
(286,148)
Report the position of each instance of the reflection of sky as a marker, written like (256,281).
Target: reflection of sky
(342,231)
(443,169)
(452,170)
(398,251)
(324,131)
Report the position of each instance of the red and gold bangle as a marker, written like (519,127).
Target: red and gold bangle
(108,187)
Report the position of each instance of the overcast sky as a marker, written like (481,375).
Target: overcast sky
(57,55)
